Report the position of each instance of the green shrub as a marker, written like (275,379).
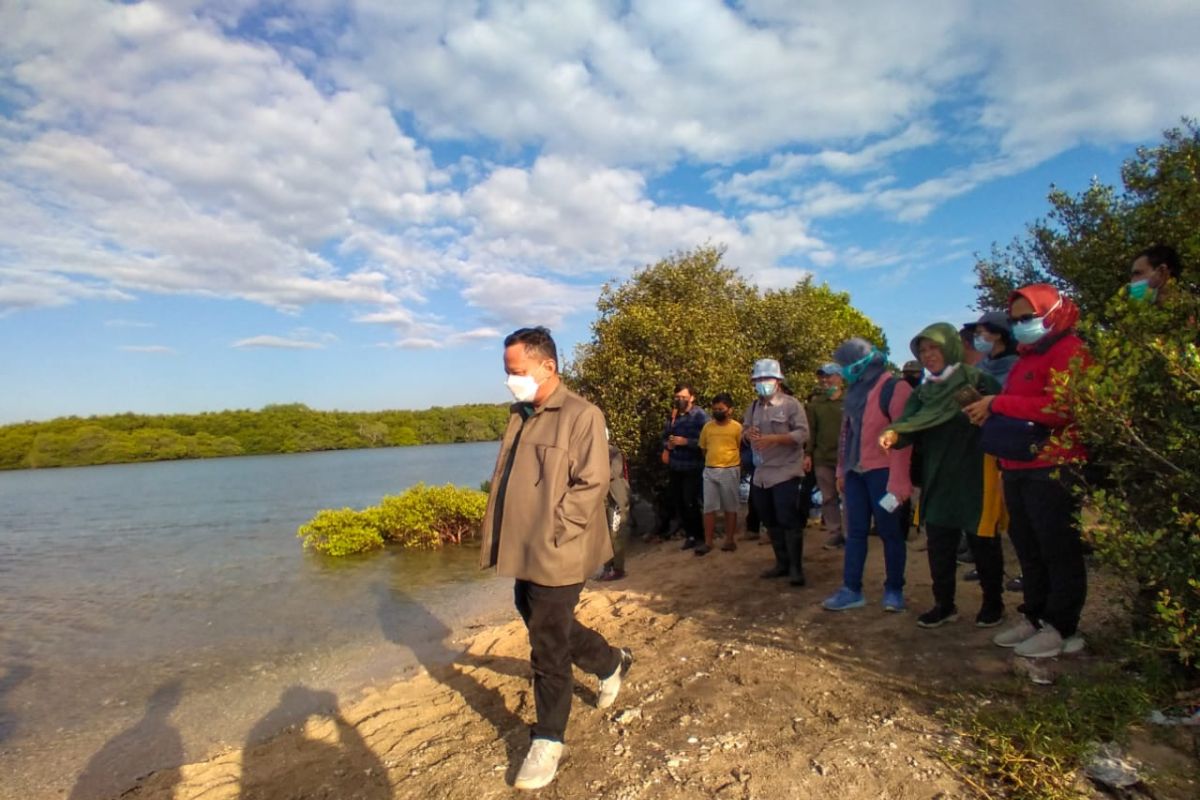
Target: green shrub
(429,516)
(1138,408)
(340,532)
(421,517)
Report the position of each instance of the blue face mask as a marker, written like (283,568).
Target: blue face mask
(1029,331)
(764,388)
(1140,290)
(983,345)
(852,372)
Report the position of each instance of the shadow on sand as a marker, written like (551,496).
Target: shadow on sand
(407,623)
(151,742)
(346,765)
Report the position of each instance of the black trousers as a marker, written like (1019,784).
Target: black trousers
(687,493)
(1042,524)
(778,510)
(556,642)
(943,565)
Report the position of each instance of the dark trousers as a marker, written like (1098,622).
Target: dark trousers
(943,565)
(807,484)
(687,494)
(556,641)
(778,510)
(1045,534)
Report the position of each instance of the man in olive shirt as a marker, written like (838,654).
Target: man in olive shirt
(824,412)
(545,526)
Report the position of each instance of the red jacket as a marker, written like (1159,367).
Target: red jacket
(1029,394)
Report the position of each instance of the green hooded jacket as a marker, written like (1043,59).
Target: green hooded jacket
(951,455)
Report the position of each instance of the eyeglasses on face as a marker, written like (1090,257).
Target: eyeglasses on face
(1022,318)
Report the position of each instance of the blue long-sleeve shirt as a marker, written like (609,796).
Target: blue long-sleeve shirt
(689,425)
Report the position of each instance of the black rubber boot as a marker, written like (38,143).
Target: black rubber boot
(794,542)
(780,570)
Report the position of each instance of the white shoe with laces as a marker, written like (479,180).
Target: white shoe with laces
(540,765)
(606,693)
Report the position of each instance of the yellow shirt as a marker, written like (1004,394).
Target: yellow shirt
(722,444)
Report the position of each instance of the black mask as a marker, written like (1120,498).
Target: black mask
(681,404)
(720,416)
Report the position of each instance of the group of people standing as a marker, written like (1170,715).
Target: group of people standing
(978,422)
(975,436)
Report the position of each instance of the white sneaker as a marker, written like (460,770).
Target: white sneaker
(606,694)
(1046,643)
(540,765)
(1073,644)
(1011,637)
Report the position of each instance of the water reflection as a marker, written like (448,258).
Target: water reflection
(338,764)
(129,754)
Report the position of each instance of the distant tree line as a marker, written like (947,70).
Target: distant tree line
(287,428)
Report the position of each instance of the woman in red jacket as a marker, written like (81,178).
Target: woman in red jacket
(1043,509)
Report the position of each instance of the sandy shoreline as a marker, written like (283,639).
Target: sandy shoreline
(741,688)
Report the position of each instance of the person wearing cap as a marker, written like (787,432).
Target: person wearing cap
(873,483)
(776,427)
(993,337)
(824,411)
(911,372)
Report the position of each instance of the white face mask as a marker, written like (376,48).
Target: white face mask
(523,387)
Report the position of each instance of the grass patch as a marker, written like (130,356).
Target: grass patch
(1027,743)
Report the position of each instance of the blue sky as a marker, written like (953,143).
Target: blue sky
(225,204)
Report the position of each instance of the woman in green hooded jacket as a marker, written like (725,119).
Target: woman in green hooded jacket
(951,471)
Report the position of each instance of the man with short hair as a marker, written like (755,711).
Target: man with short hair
(545,526)
(681,438)
(1154,272)
(824,412)
(776,428)
(721,442)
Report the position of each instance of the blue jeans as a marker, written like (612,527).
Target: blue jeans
(863,492)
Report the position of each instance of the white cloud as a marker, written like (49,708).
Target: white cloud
(276,343)
(238,149)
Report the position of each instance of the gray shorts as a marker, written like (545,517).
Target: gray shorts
(721,488)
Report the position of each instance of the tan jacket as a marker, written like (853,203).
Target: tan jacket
(545,521)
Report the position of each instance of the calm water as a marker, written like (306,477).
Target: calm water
(119,581)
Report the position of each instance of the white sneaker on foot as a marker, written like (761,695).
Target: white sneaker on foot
(1073,644)
(606,694)
(1046,643)
(1011,637)
(540,765)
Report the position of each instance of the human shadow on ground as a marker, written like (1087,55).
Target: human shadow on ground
(13,676)
(151,742)
(345,769)
(406,622)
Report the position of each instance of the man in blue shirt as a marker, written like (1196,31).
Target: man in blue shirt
(681,438)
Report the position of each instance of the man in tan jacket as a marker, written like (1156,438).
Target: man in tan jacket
(545,526)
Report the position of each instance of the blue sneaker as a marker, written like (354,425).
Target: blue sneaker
(844,600)
(893,600)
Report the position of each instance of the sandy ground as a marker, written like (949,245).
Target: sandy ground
(741,688)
